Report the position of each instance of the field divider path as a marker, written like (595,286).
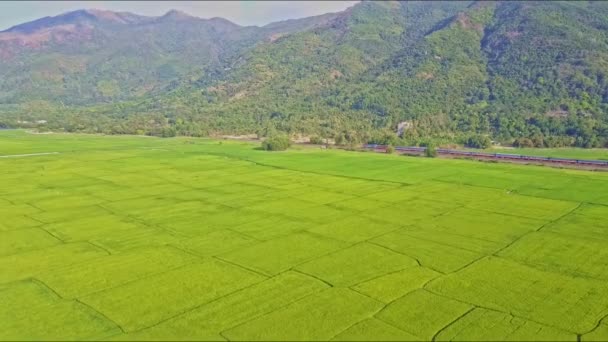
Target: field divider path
(434,338)
(305,171)
(10,201)
(173,316)
(221,333)
(61,242)
(101,314)
(386,305)
(150,275)
(202,258)
(449,245)
(137,220)
(43,284)
(498,213)
(599,323)
(100,247)
(224,296)
(510,190)
(469,264)
(380,276)
(267,313)
(28,155)
(353,288)
(495,253)
(372,316)
(241,266)
(409,256)
(536,230)
(35,207)
(500,311)
(312,276)
(41,227)
(561,217)
(292,268)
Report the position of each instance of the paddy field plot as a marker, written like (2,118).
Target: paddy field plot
(133,238)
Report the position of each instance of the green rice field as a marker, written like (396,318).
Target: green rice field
(138,238)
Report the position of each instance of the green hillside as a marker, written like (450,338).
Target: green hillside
(533,73)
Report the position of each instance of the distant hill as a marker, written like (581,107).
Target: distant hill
(93,56)
(533,73)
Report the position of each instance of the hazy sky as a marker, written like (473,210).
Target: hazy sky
(240,12)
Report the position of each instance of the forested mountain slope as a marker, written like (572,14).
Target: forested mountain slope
(531,71)
(92,56)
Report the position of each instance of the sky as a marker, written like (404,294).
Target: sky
(241,12)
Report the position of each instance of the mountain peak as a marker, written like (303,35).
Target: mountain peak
(77,17)
(111,16)
(177,15)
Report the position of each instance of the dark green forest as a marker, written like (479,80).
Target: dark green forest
(530,74)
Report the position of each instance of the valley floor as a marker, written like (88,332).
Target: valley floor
(131,238)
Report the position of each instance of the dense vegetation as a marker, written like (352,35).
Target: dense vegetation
(524,73)
(276,143)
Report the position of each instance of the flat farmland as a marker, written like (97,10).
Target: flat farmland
(138,238)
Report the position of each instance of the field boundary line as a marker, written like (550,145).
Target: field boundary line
(40,282)
(100,247)
(171,317)
(41,227)
(293,268)
(451,323)
(419,264)
(561,217)
(231,229)
(135,220)
(409,256)
(35,207)
(281,307)
(382,275)
(303,171)
(566,273)
(61,242)
(28,155)
(309,259)
(447,211)
(150,275)
(312,276)
(470,263)
(202,258)
(387,303)
(535,231)
(221,333)
(372,316)
(500,311)
(101,314)
(599,323)
(466,206)
(449,245)
(6,199)
(267,276)
(514,191)
(221,297)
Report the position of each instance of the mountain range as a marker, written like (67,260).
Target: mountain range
(524,72)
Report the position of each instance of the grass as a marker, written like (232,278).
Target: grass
(134,238)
